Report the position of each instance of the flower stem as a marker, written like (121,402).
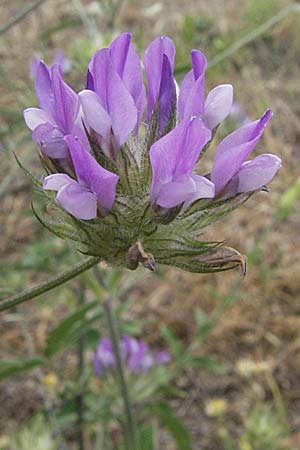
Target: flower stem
(131,428)
(80,366)
(58,280)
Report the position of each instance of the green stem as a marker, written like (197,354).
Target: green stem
(131,433)
(81,366)
(62,278)
(131,428)
(250,37)
(20,16)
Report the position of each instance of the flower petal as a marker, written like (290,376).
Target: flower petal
(43,89)
(94,115)
(166,95)
(89,173)
(78,201)
(217,105)
(153,63)
(191,93)
(34,117)
(56,181)
(51,141)
(176,192)
(118,51)
(235,148)
(66,101)
(203,189)
(114,96)
(175,154)
(257,173)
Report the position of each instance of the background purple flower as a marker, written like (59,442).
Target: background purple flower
(59,58)
(136,355)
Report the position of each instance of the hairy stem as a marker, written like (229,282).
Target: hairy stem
(58,280)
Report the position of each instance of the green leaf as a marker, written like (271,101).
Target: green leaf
(10,367)
(146,438)
(174,343)
(288,200)
(176,428)
(204,324)
(204,362)
(68,329)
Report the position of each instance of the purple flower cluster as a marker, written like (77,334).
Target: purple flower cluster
(73,131)
(135,354)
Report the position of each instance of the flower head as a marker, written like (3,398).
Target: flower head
(127,167)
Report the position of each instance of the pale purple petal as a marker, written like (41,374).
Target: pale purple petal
(89,173)
(133,80)
(114,97)
(162,357)
(119,51)
(89,83)
(51,141)
(66,101)
(62,61)
(56,181)
(127,64)
(234,150)
(204,188)
(103,356)
(166,95)
(34,66)
(218,105)
(35,117)
(176,192)
(257,173)
(94,115)
(78,201)
(44,90)
(153,63)
(191,93)
(175,154)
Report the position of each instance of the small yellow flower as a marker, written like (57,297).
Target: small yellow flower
(216,407)
(50,380)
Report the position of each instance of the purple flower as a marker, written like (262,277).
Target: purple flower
(95,188)
(191,100)
(159,67)
(136,355)
(104,356)
(59,58)
(230,173)
(173,158)
(58,116)
(114,100)
(238,114)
